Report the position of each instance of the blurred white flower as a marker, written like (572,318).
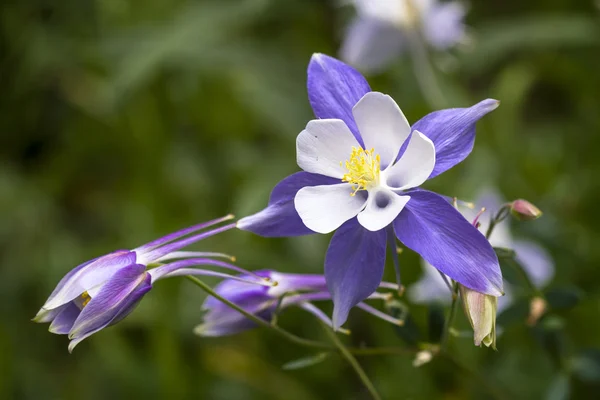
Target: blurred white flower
(383,29)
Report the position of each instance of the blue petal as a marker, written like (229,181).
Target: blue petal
(452,131)
(88,275)
(116,297)
(62,324)
(353,267)
(280,218)
(334,88)
(433,228)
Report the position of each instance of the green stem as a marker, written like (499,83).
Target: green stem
(352,361)
(364,351)
(289,336)
(450,319)
(391,238)
(424,72)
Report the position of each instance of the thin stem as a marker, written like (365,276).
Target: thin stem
(364,351)
(391,238)
(446,281)
(424,72)
(289,336)
(352,361)
(450,319)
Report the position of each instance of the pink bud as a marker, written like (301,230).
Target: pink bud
(524,210)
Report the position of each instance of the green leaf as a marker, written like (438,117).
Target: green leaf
(564,298)
(305,362)
(509,265)
(586,365)
(560,388)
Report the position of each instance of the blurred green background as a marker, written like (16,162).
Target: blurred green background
(123,120)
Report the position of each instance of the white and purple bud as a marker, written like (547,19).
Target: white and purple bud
(103,291)
(299,290)
(481,311)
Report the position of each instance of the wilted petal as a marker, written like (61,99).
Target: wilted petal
(114,296)
(324,208)
(233,322)
(452,131)
(354,267)
(87,276)
(323,146)
(443,24)
(430,226)
(62,324)
(382,125)
(280,218)
(383,206)
(371,44)
(415,165)
(536,261)
(334,88)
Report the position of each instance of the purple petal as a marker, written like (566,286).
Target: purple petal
(62,324)
(354,267)
(433,228)
(233,322)
(370,44)
(112,298)
(87,276)
(452,131)
(280,218)
(536,261)
(334,88)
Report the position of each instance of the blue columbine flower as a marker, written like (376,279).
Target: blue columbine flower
(383,29)
(103,291)
(299,290)
(362,165)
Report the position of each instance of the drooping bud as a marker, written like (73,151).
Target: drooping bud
(481,311)
(524,210)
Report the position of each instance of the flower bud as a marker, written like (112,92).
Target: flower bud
(481,311)
(537,308)
(524,210)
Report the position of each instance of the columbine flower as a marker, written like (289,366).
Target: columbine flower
(103,291)
(362,164)
(535,260)
(383,29)
(298,290)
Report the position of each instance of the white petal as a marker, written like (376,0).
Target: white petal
(323,147)
(415,166)
(324,208)
(382,208)
(382,125)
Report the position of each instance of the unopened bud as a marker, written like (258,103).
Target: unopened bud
(537,308)
(481,312)
(524,210)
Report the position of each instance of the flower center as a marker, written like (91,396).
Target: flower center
(363,169)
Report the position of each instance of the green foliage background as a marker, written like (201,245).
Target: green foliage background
(123,120)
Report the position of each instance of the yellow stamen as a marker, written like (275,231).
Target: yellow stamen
(363,169)
(85,298)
